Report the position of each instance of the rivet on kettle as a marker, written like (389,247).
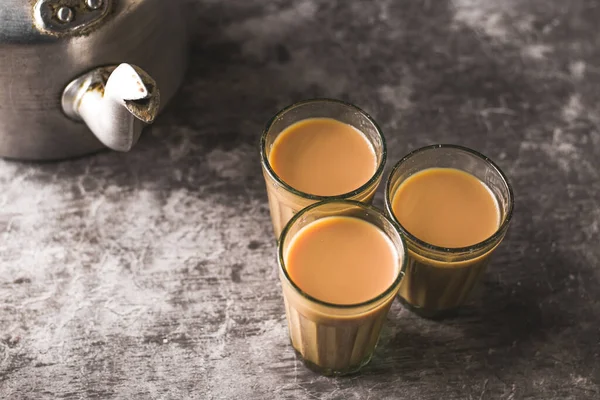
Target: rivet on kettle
(93,4)
(64,14)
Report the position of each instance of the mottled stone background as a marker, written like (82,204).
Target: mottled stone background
(152,274)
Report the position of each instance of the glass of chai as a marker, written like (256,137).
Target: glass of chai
(341,263)
(453,206)
(316,150)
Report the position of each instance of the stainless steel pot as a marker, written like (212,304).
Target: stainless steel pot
(80,75)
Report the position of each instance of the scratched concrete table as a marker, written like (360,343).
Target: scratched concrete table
(152,274)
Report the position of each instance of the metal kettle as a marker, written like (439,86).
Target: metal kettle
(80,75)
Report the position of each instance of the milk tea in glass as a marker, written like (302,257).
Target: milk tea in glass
(317,150)
(341,264)
(453,206)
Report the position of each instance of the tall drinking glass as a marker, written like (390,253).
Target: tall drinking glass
(337,339)
(285,200)
(439,279)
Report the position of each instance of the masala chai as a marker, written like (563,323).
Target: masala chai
(342,260)
(340,274)
(453,205)
(446,207)
(316,150)
(323,157)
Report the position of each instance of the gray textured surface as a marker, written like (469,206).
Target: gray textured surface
(153,275)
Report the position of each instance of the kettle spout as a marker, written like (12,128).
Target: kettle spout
(115,103)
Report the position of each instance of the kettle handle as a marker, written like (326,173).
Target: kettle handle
(64,17)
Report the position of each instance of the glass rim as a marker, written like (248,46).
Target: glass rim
(267,165)
(451,250)
(386,292)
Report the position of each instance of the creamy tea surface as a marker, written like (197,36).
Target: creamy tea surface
(323,156)
(446,207)
(342,260)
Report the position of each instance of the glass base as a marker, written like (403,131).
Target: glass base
(332,372)
(428,313)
